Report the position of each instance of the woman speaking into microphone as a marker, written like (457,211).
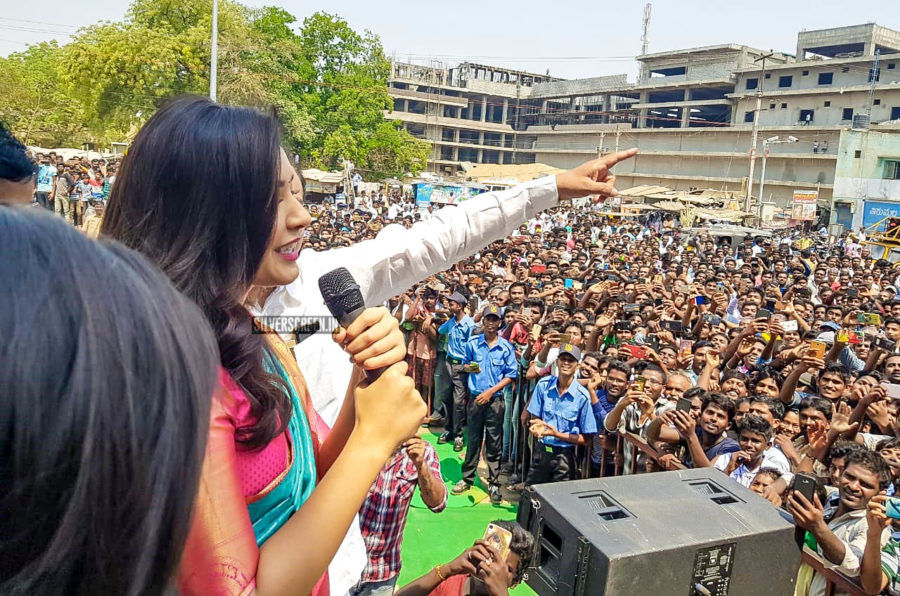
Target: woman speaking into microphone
(207,193)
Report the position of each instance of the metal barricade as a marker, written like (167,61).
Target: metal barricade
(835,583)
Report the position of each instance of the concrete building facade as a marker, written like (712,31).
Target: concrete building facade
(867,177)
(691,114)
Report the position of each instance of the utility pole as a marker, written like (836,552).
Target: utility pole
(645,40)
(618,134)
(516,125)
(756,112)
(874,76)
(762,180)
(214,48)
(600,148)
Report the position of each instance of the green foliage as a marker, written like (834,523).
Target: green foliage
(344,78)
(391,151)
(327,82)
(35,100)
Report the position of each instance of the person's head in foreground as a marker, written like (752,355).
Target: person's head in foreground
(107,374)
(16,171)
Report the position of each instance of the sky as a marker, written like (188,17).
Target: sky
(571,39)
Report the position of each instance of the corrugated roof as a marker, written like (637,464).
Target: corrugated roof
(673,206)
(518,172)
(323,177)
(643,190)
(717,194)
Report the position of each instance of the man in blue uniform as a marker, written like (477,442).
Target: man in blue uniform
(561,417)
(491,364)
(458,328)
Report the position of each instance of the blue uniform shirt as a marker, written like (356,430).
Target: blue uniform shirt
(497,363)
(568,413)
(457,333)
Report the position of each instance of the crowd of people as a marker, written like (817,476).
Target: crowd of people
(763,356)
(74,188)
(534,333)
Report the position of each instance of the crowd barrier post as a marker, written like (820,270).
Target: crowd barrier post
(520,465)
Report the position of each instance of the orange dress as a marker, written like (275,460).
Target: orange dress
(222,550)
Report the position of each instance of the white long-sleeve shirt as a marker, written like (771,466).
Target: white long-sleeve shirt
(392,262)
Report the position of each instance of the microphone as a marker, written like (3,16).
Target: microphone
(345,302)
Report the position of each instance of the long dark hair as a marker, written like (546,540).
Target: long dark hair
(197,194)
(107,375)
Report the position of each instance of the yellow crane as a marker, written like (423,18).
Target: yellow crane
(883,239)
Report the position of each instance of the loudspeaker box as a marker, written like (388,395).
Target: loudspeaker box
(683,533)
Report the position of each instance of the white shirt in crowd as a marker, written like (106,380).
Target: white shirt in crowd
(772,458)
(850,529)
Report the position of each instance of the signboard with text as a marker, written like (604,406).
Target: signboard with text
(803,207)
(427,193)
(875,211)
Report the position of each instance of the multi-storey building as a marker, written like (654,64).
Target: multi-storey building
(691,114)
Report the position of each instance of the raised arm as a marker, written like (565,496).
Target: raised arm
(710,368)
(790,383)
(399,257)
(612,419)
(872,578)
(732,347)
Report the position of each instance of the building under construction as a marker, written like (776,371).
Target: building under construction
(691,113)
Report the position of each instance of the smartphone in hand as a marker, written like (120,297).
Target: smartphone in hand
(639,383)
(817,349)
(673,326)
(499,538)
(805,484)
(892,507)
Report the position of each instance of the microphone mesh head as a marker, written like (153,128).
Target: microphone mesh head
(341,292)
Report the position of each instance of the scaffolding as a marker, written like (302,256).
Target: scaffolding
(433,112)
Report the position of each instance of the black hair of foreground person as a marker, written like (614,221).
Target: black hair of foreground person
(14,163)
(197,193)
(17,173)
(106,379)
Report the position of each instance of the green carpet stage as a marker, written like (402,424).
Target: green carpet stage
(432,538)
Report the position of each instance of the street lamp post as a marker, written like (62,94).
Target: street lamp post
(762,174)
(214,51)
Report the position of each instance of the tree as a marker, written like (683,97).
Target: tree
(327,83)
(35,103)
(278,68)
(162,50)
(391,152)
(344,77)
(127,69)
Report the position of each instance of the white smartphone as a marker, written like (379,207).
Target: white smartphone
(892,390)
(789,325)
